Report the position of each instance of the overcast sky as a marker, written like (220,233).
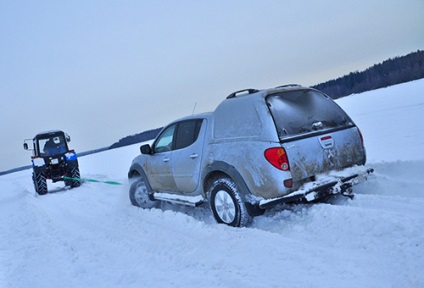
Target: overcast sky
(102,70)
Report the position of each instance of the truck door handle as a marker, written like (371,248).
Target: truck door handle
(166,159)
(194,156)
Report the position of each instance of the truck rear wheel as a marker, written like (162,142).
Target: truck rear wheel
(40,183)
(227,205)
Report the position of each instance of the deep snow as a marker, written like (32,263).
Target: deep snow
(92,237)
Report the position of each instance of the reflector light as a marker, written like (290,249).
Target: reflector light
(288,183)
(278,158)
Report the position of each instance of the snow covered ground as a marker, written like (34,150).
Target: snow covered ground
(92,237)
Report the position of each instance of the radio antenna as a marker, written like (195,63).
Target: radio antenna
(194,108)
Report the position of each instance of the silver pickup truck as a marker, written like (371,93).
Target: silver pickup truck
(259,148)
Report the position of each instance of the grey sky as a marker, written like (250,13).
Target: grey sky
(102,70)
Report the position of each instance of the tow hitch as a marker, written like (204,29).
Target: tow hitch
(348,193)
(348,182)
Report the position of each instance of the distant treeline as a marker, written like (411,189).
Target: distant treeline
(390,72)
(136,138)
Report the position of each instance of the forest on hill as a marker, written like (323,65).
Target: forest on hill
(390,72)
(136,138)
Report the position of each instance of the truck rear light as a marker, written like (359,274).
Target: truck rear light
(278,158)
(362,137)
(363,146)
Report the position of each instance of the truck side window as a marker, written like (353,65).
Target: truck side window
(187,133)
(164,142)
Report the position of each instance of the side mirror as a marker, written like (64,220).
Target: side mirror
(145,149)
(67,138)
(26,146)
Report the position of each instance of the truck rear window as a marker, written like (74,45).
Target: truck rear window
(304,111)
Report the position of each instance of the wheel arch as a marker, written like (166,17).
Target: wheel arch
(221,169)
(137,171)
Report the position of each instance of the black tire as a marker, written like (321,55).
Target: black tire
(75,175)
(68,182)
(139,195)
(40,183)
(227,205)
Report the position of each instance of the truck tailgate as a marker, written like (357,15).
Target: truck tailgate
(309,156)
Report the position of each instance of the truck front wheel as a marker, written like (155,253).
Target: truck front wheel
(139,195)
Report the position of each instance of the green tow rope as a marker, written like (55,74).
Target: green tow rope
(91,180)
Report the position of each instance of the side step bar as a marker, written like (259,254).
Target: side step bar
(178,199)
(316,190)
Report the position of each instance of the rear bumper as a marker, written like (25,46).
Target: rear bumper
(332,183)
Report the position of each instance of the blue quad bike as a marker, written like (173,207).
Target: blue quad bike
(53,160)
